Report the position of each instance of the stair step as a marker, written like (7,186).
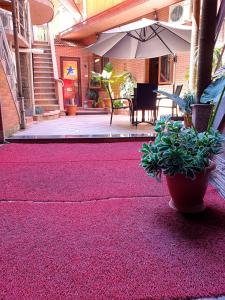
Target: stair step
(43,76)
(43,72)
(41,46)
(46,96)
(40,42)
(40,102)
(43,69)
(43,80)
(44,84)
(50,115)
(44,90)
(48,107)
(42,63)
(42,56)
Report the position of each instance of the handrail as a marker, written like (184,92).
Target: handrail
(8,63)
(22,25)
(58,81)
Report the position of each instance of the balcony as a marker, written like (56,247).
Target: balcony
(23,35)
(41,11)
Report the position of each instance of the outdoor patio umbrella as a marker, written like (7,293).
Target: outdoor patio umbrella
(143,39)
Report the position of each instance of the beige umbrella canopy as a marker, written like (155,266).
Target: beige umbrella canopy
(143,39)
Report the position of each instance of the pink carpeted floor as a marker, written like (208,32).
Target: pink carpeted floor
(83,221)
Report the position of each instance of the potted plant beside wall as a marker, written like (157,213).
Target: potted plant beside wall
(71,108)
(184,104)
(184,156)
(92,98)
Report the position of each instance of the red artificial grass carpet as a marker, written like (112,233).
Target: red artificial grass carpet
(127,245)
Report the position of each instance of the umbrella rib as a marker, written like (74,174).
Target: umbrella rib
(162,40)
(175,34)
(135,37)
(151,36)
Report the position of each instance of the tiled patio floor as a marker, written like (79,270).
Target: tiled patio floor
(86,125)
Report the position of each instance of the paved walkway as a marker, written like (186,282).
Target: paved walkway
(85,125)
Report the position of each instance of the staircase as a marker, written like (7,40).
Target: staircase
(44,83)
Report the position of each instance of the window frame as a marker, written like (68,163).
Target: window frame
(171,62)
(91,68)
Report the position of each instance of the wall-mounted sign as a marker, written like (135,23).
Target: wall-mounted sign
(70,70)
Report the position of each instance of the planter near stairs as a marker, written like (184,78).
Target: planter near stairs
(44,82)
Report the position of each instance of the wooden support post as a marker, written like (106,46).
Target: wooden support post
(206,45)
(194,43)
(18,69)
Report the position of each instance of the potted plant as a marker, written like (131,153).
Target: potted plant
(184,104)
(184,156)
(108,78)
(92,98)
(100,103)
(71,108)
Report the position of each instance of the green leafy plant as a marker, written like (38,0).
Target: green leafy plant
(183,103)
(127,86)
(92,94)
(95,80)
(109,78)
(213,92)
(117,104)
(179,150)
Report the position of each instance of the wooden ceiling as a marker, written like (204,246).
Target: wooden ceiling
(124,12)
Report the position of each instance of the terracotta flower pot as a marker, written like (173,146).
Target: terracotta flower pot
(187,194)
(71,110)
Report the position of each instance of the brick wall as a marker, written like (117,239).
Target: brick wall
(9,112)
(183,58)
(83,54)
(134,66)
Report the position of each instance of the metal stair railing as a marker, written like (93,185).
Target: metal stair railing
(7,61)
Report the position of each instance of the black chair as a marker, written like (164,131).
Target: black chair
(122,106)
(174,105)
(144,100)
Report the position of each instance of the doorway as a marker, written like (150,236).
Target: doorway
(153,70)
(70,74)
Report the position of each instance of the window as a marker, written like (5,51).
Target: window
(166,69)
(95,66)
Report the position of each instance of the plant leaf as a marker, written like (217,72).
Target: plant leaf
(213,91)
(178,100)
